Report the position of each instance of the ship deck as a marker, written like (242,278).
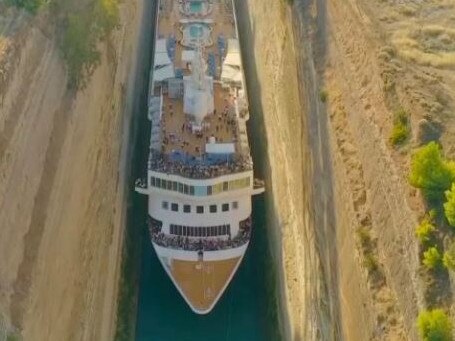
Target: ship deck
(222,124)
(176,136)
(203,282)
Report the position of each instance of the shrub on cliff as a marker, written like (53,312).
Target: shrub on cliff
(432,258)
(424,231)
(449,205)
(431,172)
(400,130)
(434,325)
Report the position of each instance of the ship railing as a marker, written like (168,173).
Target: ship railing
(197,169)
(187,243)
(199,243)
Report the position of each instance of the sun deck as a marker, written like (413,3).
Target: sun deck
(190,30)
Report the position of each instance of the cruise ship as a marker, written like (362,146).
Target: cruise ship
(200,178)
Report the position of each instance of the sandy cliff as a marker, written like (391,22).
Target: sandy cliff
(61,184)
(327,78)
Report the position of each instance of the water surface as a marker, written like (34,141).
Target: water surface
(246,312)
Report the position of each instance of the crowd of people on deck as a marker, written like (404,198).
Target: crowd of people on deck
(141,182)
(163,163)
(197,243)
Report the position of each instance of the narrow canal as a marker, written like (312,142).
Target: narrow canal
(248,310)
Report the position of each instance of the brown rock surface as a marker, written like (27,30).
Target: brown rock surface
(62,173)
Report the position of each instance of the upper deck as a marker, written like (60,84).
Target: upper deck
(197,102)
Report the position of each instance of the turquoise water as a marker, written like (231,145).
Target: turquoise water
(246,312)
(195,7)
(196,31)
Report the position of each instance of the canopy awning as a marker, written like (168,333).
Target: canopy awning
(233,53)
(161,55)
(231,74)
(220,148)
(164,72)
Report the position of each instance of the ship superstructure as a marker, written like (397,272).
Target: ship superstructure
(200,173)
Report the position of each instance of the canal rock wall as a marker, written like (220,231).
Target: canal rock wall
(324,80)
(300,215)
(62,171)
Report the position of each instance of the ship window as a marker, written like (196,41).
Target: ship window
(193,232)
(179,230)
(185,189)
(209,231)
(212,208)
(200,209)
(169,185)
(228,229)
(180,187)
(174,185)
(187,208)
(152,181)
(175,207)
(225,207)
(235,205)
(209,190)
(172,229)
(158,182)
(165,205)
(191,190)
(225,186)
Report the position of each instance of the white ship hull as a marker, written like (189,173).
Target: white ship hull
(200,173)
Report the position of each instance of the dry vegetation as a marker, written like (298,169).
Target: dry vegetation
(390,72)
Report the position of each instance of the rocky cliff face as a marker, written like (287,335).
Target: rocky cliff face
(61,180)
(328,77)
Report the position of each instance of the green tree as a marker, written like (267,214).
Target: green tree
(106,16)
(434,325)
(79,49)
(449,257)
(424,230)
(449,206)
(432,258)
(30,5)
(430,171)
